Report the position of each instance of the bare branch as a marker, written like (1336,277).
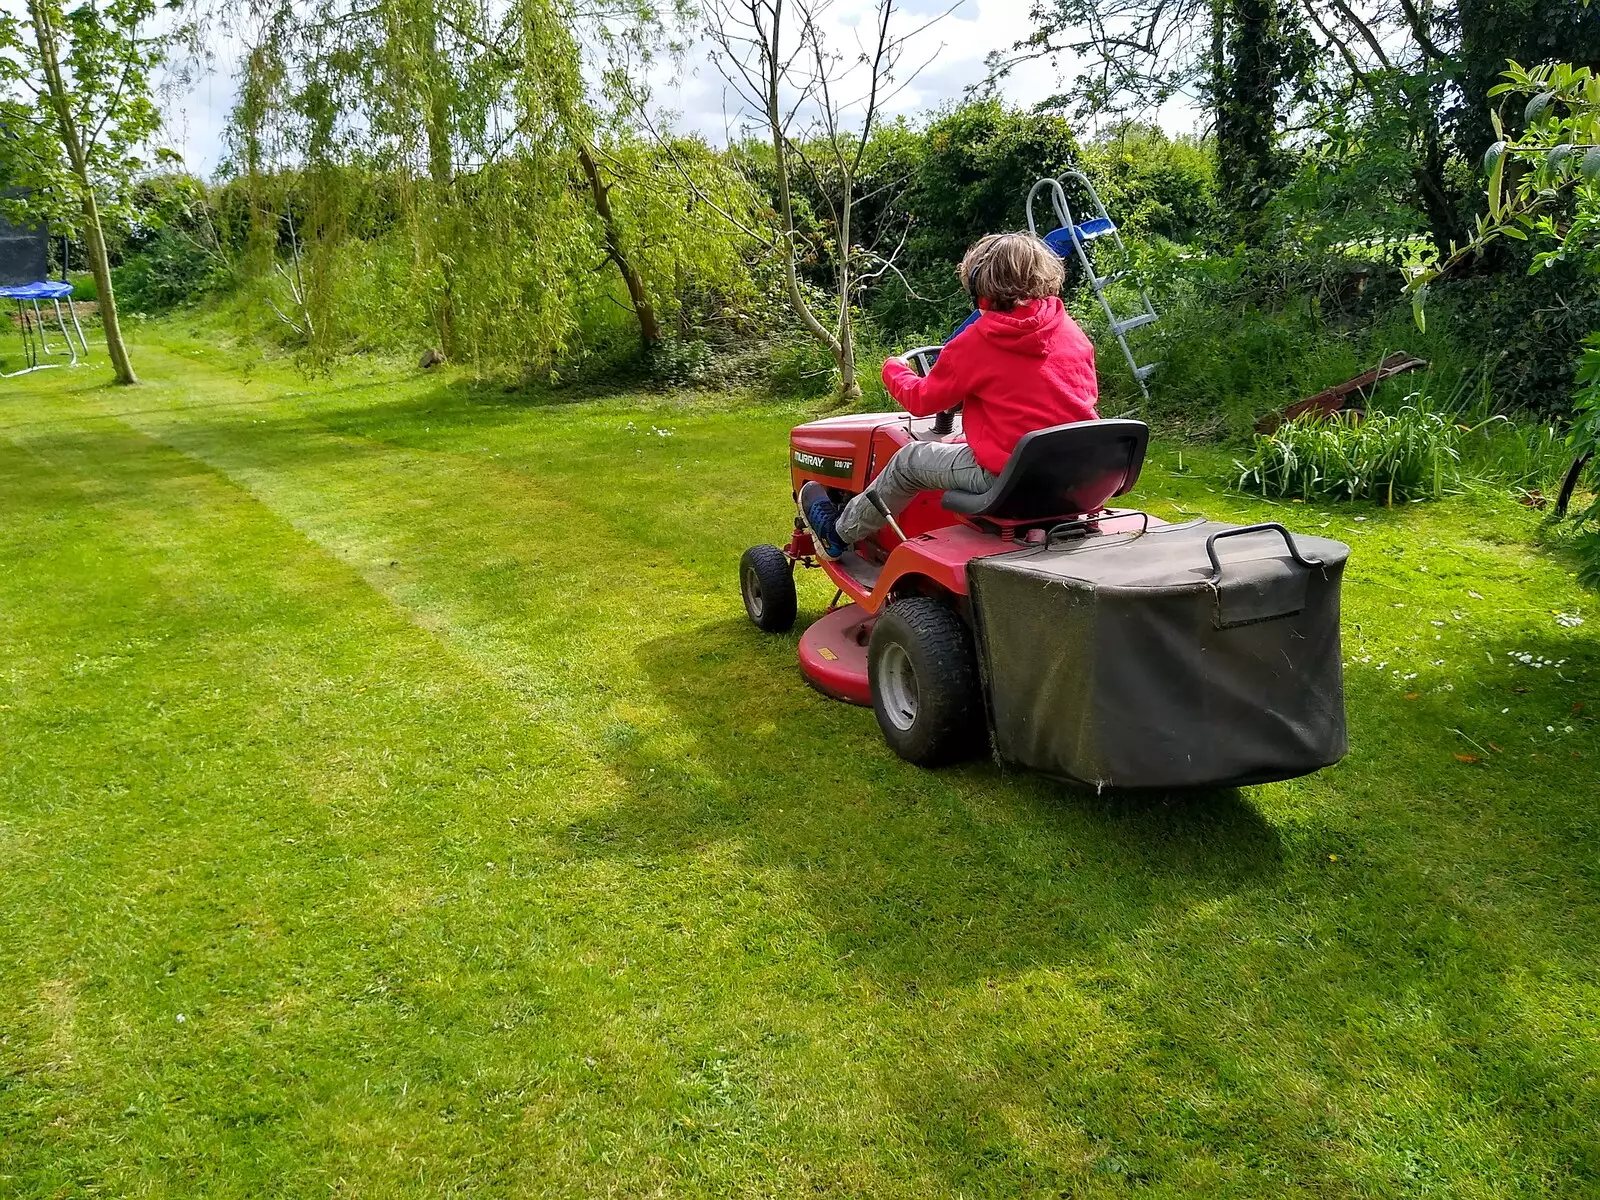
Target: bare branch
(1362,28)
(1339,44)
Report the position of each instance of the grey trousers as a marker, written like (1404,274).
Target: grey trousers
(921,466)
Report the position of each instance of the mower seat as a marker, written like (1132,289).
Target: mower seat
(1063,471)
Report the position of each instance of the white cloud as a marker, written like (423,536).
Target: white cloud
(950,53)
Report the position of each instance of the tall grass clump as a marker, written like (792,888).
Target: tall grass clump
(1386,457)
(1499,447)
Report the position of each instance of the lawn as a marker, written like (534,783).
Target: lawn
(395,801)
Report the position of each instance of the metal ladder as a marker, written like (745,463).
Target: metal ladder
(1069,237)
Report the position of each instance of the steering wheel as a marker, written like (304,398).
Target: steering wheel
(921,360)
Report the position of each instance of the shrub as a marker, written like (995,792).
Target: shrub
(677,362)
(170,269)
(1587,544)
(1225,362)
(1410,454)
(1535,324)
(1585,440)
(804,370)
(1155,184)
(967,174)
(1242,335)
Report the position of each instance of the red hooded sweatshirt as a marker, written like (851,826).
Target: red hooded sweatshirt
(1013,372)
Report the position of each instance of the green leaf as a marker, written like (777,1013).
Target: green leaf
(1538,107)
(1590,170)
(1495,163)
(1558,155)
(1419,299)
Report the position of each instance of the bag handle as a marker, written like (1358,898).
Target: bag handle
(1288,540)
(1081,525)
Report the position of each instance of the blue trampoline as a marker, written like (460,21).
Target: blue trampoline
(52,292)
(25,281)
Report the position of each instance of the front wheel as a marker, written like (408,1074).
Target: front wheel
(924,677)
(766,579)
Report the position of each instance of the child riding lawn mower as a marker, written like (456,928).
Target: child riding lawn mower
(1095,644)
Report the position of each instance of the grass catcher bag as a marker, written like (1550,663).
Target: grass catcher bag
(1191,655)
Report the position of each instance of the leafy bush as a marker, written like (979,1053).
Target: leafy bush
(170,269)
(1225,362)
(1585,439)
(1242,335)
(1410,454)
(680,361)
(967,174)
(1533,323)
(803,369)
(1155,184)
(1587,544)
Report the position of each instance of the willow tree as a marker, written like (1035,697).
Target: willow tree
(504,148)
(76,115)
(329,82)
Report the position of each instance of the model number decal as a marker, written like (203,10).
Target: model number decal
(822,464)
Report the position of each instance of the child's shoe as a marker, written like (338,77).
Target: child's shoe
(819,514)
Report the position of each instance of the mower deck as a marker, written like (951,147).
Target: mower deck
(833,655)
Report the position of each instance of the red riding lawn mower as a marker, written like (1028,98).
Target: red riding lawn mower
(1094,644)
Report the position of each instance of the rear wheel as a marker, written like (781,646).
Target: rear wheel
(924,677)
(766,579)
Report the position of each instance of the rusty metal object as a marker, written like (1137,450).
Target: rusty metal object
(1331,400)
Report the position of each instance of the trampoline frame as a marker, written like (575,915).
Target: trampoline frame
(32,293)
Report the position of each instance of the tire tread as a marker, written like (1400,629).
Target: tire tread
(775,576)
(950,719)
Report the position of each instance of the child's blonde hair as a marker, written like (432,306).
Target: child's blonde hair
(1008,268)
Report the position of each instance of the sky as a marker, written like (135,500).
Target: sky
(954,49)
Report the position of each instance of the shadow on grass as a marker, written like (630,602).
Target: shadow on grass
(946,890)
(920,878)
(466,406)
(460,404)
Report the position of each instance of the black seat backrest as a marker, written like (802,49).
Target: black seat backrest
(1063,471)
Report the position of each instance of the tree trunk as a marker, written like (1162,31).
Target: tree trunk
(1433,192)
(1246,72)
(845,355)
(93,235)
(649,329)
(441,171)
(100,266)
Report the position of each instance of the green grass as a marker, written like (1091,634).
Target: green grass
(395,802)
